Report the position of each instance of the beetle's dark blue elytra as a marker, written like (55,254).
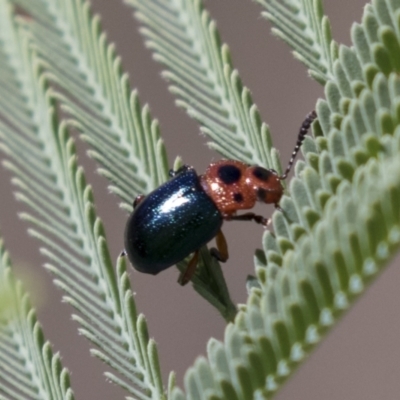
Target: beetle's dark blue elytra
(187,212)
(172,222)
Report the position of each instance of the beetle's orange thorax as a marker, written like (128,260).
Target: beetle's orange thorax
(234,185)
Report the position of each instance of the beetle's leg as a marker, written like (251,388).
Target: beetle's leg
(187,275)
(221,252)
(137,200)
(278,207)
(259,219)
(123,253)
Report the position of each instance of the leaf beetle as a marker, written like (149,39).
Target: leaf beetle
(185,213)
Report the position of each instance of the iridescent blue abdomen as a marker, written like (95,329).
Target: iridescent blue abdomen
(170,223)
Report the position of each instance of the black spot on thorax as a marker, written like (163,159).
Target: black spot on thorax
(238,197)
(261,194)
(261,173)
(229,174)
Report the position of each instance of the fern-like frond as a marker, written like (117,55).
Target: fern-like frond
(84,60)
(186,41)
(29,369)
(302,24)
(125,140)
(300,301)
(48,179)
(339,228)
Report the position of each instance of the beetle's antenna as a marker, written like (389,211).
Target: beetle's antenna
(305,126)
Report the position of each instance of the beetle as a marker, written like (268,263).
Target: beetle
(182,215)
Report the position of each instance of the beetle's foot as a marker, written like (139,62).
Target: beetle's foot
(279,208)
(185,278)
(267,222)
(217,254)
(123,253)
(259,219)
(262,220)
(187,275)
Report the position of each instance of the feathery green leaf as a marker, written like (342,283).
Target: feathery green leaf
(53,186)
(186,41)
(302,24)
(125,140)
(339,228)
(29,369)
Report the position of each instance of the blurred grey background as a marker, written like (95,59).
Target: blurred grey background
(360,359)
